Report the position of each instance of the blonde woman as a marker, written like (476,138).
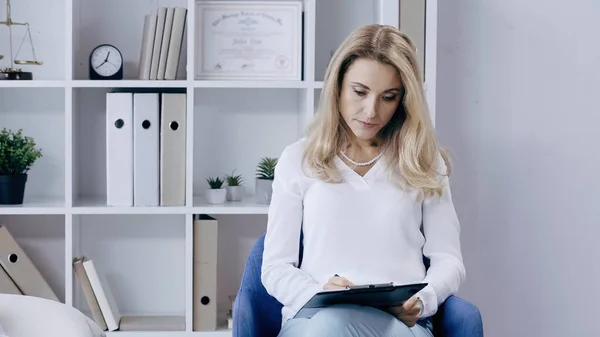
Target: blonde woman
(368,187)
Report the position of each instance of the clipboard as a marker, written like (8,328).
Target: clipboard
(372,295)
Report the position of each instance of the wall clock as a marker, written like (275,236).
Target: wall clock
(106,63)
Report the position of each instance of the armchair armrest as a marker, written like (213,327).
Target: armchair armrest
(255,312)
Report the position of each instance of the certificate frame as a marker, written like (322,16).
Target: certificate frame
(281,57)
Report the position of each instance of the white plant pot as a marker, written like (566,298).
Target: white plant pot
(216,196)
(263,191)
(235,193)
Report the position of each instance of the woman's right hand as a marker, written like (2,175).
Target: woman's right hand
(337,282)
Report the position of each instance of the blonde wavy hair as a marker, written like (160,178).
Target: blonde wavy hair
(408,140)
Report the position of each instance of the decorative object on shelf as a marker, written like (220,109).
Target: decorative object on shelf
(248,40)
(106,63)
(265,174)
(18,153)
(12,73)
(235,188)
(216,194)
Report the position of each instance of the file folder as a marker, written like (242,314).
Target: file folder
(205,273)
(7,286)
(146,132)
(119,149)
(17,265)
(173,149)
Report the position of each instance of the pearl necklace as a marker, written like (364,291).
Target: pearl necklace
(362,164)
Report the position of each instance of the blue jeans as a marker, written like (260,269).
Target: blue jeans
(353,321)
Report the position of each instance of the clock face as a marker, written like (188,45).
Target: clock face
(106,60)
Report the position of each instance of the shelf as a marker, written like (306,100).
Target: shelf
(230,134)
(42,238)
(46,21)
(246,206)
(218,333)
(36,205)
(131,252)
(128,84)
(96,23)
(40,112)
(33,84)
(254,84)
(195,84)
(97,205)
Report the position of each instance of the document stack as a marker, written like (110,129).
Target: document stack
(146,148)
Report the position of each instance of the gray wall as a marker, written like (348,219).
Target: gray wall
(519,105)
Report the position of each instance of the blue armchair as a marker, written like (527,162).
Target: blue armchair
(258,314)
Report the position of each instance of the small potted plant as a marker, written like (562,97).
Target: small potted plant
(216,193)
(17,155)
(265,174)
(235,188)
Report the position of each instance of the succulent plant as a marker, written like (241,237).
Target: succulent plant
(266,168)
(215,183)
(233,179)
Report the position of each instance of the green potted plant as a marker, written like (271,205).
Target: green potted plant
(265,174)
(216,193)
(235,188)
(18,153)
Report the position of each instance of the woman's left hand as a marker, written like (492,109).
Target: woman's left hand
(409,312)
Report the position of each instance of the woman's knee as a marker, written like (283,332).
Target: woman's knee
(354,320)
(334,321)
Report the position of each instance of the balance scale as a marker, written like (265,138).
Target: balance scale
(13,73)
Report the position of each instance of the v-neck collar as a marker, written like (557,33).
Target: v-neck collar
(355,179)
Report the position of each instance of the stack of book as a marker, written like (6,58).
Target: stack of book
(162,42)
(146,147)
(18,275)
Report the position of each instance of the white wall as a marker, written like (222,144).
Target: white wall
(517,102)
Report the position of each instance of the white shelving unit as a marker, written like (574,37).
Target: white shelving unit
(146,252)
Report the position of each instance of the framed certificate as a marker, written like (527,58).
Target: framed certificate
(248,40)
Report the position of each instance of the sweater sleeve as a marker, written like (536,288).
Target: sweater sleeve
(441,229)
(280,274)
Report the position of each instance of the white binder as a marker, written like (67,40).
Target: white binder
(173,149)
(205,273)
(146,131)
(119,149)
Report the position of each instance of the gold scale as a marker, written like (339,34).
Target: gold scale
(12,73)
